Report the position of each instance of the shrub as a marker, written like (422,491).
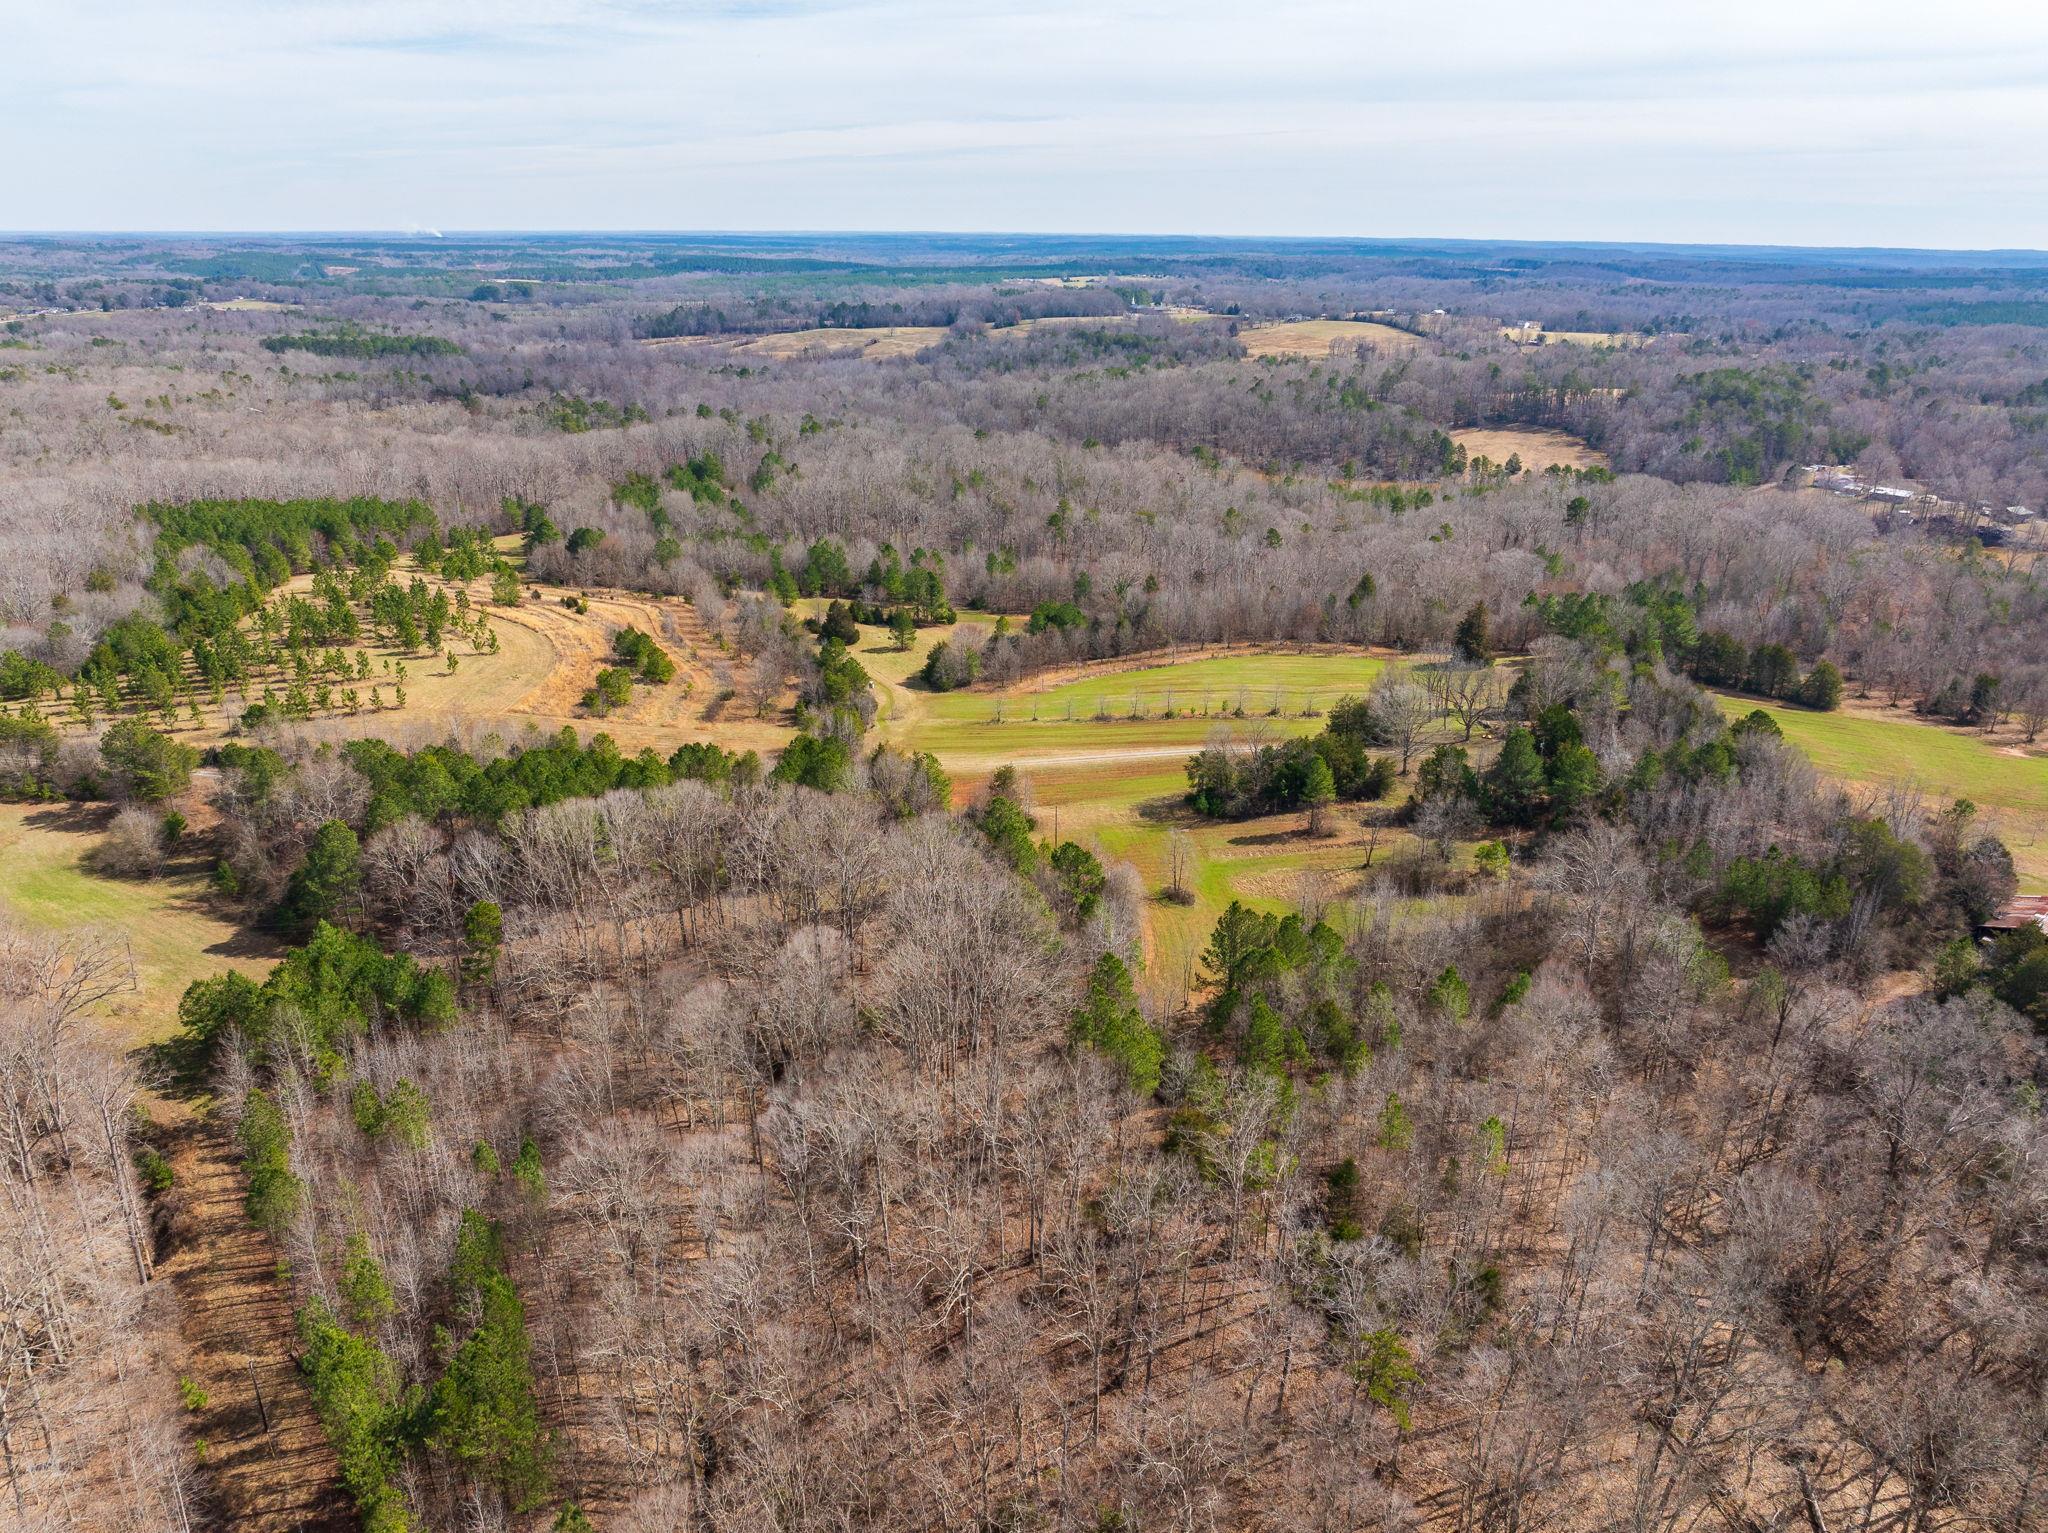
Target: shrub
(613,688)
(949,667)
(647,658)
(144,763)
(134,846)
(1822,688)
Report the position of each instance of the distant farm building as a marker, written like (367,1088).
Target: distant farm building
(2027,910)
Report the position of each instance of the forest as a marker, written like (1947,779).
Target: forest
(696,820)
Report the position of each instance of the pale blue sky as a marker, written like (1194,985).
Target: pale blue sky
(1796,121)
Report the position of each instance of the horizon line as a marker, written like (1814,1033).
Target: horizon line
(449,235)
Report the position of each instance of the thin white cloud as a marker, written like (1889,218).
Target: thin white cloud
(1747,121)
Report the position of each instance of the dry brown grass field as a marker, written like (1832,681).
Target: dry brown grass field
(1537,447)
(1323,338)
(878,345)
(548,655)
(1536,335)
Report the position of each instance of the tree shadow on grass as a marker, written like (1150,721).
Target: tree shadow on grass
(70,818)
(177,1066)
(1171,810)
(1274,837)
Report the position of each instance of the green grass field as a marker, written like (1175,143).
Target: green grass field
(2010,790)
(1100,775)
(173,935)
(1128,711)
(1127,811)
(1220,684)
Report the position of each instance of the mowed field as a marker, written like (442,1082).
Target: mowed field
(170,926)
(1322,338)
(1114,782)
(1859,746)
(1151,708)
(1536,446)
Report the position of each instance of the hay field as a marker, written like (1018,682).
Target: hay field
(1537,447)
(1320,338)
(1142,712)
(884,344)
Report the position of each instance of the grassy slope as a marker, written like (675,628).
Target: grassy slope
(2011,790)
(173,934)
(1117,783)
(1094,714)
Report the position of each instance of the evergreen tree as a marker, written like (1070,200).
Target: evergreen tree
(1575,779)
(1109,1020)
(483,1411)
(1318,792)
(1773,670)
(326,884)
(1511,791)
(1473,642)
(145,763)
(1822,689)
(483,935)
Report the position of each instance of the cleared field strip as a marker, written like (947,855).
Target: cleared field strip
(1537,447)
(1131,714)
(173,933)
(1854,747)
(1323,338)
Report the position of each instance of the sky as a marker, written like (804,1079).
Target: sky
(1809,122)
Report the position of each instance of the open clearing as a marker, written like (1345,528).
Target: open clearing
(1127,710)
(1117,783)
(1537,447)
(1857,747)
(548,655)
(877,345)
(1538,336)
(174,934)
(1323,338)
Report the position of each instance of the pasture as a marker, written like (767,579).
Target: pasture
(1537,447)
(1862,747)
(1104,764)
(1144,711)
(172,931)
(1322,338)
(882,344)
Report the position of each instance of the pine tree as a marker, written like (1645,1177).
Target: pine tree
(1473,642)
(1822,689)
(1109,1020)
(1511,791)
(1318,792)
(326,884)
